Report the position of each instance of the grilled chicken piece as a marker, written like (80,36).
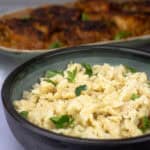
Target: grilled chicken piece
(86,21)
(137,25)
(81,32)
(40,13)
(140,6)
(56,17)
(66,13)
(60,12)
(98,6)
(5,35)
(88,32)
(93,5)
(132,16)
(23,35)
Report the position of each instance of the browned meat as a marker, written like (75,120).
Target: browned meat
(88,32)
(5,35)
(40,13)
(131,6)
(60,12)
(137,24)
(93,5)
(98,6)
(85,21)
(21,32)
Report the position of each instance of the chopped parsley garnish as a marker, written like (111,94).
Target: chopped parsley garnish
(62,121)
(144,124)
(122,34)
(72,75)
(134,96)
(79,89)
(50,73)
(85,17)
(88,69)
(50,81)
(24,114)
(56,44)
(27,17)
(130,69)
(148,83)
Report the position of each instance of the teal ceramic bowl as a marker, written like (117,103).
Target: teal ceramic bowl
(22,78)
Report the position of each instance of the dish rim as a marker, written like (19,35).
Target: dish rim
(7,104)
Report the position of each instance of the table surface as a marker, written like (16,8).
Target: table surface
(7,64)
(7,140)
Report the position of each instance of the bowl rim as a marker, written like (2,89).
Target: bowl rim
(59,137)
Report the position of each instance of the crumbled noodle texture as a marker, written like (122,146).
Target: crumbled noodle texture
(111,103)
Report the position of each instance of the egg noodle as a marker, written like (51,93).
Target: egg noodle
(96,102)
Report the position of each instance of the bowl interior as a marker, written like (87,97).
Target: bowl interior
(25,76)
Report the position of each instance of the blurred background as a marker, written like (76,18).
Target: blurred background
(6,5)
(9,5)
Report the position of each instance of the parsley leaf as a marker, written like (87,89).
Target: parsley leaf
(88,69)
(148,83)
(72,75)
(130,69)
(62,121)
(24,114)
(79,89)
(56,44)
(122,34)
(50,81)
(144,124)
(50,73)
(85,17)
(134,96)
(27,17)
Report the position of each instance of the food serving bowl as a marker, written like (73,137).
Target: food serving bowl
(22,78)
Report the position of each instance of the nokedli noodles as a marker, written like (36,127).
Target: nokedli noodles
(96,102)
